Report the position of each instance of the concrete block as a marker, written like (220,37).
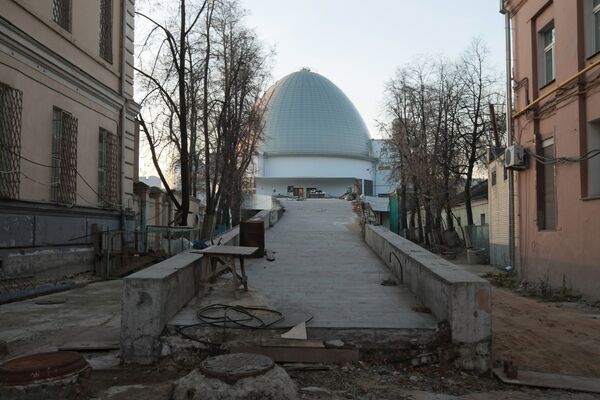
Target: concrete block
(151,297)
(451,293)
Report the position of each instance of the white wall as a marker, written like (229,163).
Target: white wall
(278,186)
(317,167)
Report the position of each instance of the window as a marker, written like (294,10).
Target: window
(11,107)
(596,25)
(593,166)
(482,219)
(64,157)
(493,177)
(368,187)
(547,38)
(547,215)
(106,20)
(61,13)
(108,170)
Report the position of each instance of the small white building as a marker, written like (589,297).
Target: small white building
(316,143)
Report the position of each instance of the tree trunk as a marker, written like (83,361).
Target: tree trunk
(449,219)
(236,209)
(468,199)
(428,222)
(419,219)
(183,120)
(402,208)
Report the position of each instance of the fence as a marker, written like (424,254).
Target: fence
(169,240)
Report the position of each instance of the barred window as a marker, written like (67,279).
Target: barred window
(108,170)
(11,107)
(64,158)
(61,13)
(106,21)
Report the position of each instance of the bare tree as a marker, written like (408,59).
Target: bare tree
(202,99)
(439,125)
(166,71)
(237,78)
(479,88)
(422,102)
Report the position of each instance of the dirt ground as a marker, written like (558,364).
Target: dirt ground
(544,336)
(356,381)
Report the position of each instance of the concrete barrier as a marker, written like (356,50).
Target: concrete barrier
(152,296)
(452,294)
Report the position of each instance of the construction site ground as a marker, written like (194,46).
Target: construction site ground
(541,334)
(368,381)
(538,335)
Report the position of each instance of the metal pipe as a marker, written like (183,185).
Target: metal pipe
(509,137)
(122,121)
(559,87)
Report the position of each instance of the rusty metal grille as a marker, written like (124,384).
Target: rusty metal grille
(11,107)
(108,170)
(61,13)
(106,25)
(64,158)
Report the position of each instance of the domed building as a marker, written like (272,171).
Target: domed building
(316,143)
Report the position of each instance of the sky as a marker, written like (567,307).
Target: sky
(359,44)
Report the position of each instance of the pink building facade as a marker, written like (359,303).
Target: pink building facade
(556,81)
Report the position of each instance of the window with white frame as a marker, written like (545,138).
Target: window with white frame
(547,210)
(547,62)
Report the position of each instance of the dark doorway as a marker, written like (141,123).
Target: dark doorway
(299,192)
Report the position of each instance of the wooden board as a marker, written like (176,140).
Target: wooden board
(231,251)
(309,343)
(302,354)
(553,381)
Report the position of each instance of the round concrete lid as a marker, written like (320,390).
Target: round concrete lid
(232,367)
(41,367)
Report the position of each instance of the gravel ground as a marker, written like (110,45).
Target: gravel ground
(356,381)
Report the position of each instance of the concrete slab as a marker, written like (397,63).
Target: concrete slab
(92,311)
(323,267)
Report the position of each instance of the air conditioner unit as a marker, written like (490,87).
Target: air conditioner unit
(515,157)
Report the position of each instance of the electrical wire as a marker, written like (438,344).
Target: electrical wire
(559,160)
(225,316)
(236,317)
(53,184)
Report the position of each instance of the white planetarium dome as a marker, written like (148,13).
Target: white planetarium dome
(308,115)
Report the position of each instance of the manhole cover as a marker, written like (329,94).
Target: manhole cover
(232,367)
(42,367)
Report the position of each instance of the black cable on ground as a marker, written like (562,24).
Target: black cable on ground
(233,317)
(236,317)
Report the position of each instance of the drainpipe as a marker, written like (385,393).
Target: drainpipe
(122,119)
(509,134)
